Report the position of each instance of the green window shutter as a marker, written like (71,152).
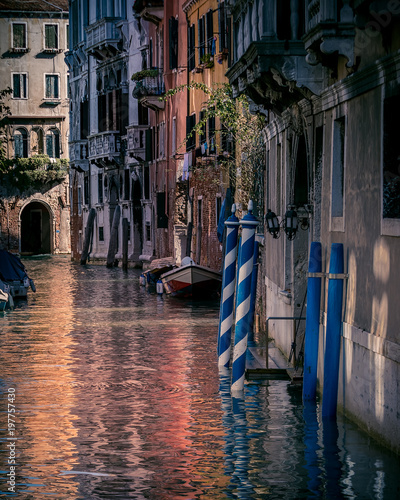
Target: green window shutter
(49,145)
(16,86)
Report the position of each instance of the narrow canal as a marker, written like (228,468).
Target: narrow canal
(117,395)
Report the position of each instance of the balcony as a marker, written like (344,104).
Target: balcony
(78,155)
(105,147)
(103,39)
(136,142)
(270,58)
(149,88)
(330,32)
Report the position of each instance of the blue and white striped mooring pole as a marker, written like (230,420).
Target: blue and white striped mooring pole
(333,331)
(312,322)
(246,257)
(228,290)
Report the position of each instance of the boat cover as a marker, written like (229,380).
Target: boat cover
(11,267)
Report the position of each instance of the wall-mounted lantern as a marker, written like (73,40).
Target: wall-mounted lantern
(290,224)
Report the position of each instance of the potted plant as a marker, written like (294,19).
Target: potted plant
(207,60)
(144,73)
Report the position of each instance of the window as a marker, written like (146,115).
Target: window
(143,115)
(338,158)
(86,190)
(126,184)
(19,36)
(100,187)
(51,36)
(79,200)
(173,43)
(53,143)
(191,47)
(173,142)
(67,36)
(211,134)
(201,38)
(52,87)
(210,44)
(190,123)
(203,130)
(101,233)
(20,85)
(162,218)
(21,143)
(391,160)
(223,27)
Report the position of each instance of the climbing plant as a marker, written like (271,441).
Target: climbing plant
(34,172)
(243,162)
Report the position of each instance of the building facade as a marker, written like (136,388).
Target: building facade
(33,40)
(107,141)
(327,75)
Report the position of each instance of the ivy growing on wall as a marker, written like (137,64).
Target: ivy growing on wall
(243,160)
(35,172)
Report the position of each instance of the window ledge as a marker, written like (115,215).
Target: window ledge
(52,102)
(390,227)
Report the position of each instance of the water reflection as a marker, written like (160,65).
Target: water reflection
(119,396)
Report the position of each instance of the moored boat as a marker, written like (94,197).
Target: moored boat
(14,275)
(192,280)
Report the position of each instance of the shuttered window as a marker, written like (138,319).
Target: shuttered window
(51,36)
(210,45)
(191,47)
(19,36)
(162,218)
(21,143)
(190,123)
(20,87)
(52,90)
(173,43)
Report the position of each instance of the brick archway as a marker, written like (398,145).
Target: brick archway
(36,228)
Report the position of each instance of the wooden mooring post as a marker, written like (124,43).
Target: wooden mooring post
(125,233)
(88,236)
(113,245)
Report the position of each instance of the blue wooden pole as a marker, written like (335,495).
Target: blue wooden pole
(228,290)
(246,256)
(253,293)
(312,323)
(333,331)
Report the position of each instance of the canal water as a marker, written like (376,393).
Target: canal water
(108,391)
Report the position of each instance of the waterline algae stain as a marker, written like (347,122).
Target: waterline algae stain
(118,395)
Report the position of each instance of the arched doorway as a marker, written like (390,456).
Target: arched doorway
(35,229)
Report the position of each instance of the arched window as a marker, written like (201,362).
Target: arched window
(53,143)
(21,143)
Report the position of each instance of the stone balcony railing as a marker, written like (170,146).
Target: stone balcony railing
(78,154)
(329,30)
(136,141)
(104,144)
(102,38)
